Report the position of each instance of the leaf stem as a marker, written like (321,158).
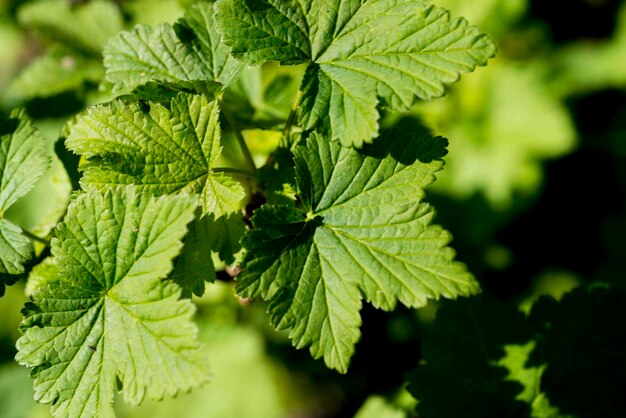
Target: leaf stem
(44,241)
(284,139)
(247,155)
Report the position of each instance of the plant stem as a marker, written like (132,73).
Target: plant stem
(284,140)
(247,155)
(37,238)
(233,170)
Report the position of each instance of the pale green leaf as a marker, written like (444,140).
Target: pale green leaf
(593,64)
(56,72)
(84,27)
(161,148)
(15,248)
(110,315)
(378,407)
(43,273)
(190,54)
(504,122)
(360,54)
(363,232)
(23,160)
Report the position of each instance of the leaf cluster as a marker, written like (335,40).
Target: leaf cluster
(163,205)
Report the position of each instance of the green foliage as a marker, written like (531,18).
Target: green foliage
(109,293)
(462,376)
(580,343)
(235,161)
(245,381)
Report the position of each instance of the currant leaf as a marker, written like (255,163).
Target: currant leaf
(110,315)
(189,55)
(163,149)
(363,232)
(360,54)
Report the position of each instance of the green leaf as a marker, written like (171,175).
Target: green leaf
(15,248)
(167,149)
(85,27)
(363,232)
(378,407)
(206,235)
(360,55)
(56,72)
(23,160)
(43,273)
(110,315)
(195,265)
(162,149)
(249,382)
(189,54)
(505,122)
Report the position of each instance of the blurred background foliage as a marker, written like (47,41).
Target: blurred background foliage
(534,192)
